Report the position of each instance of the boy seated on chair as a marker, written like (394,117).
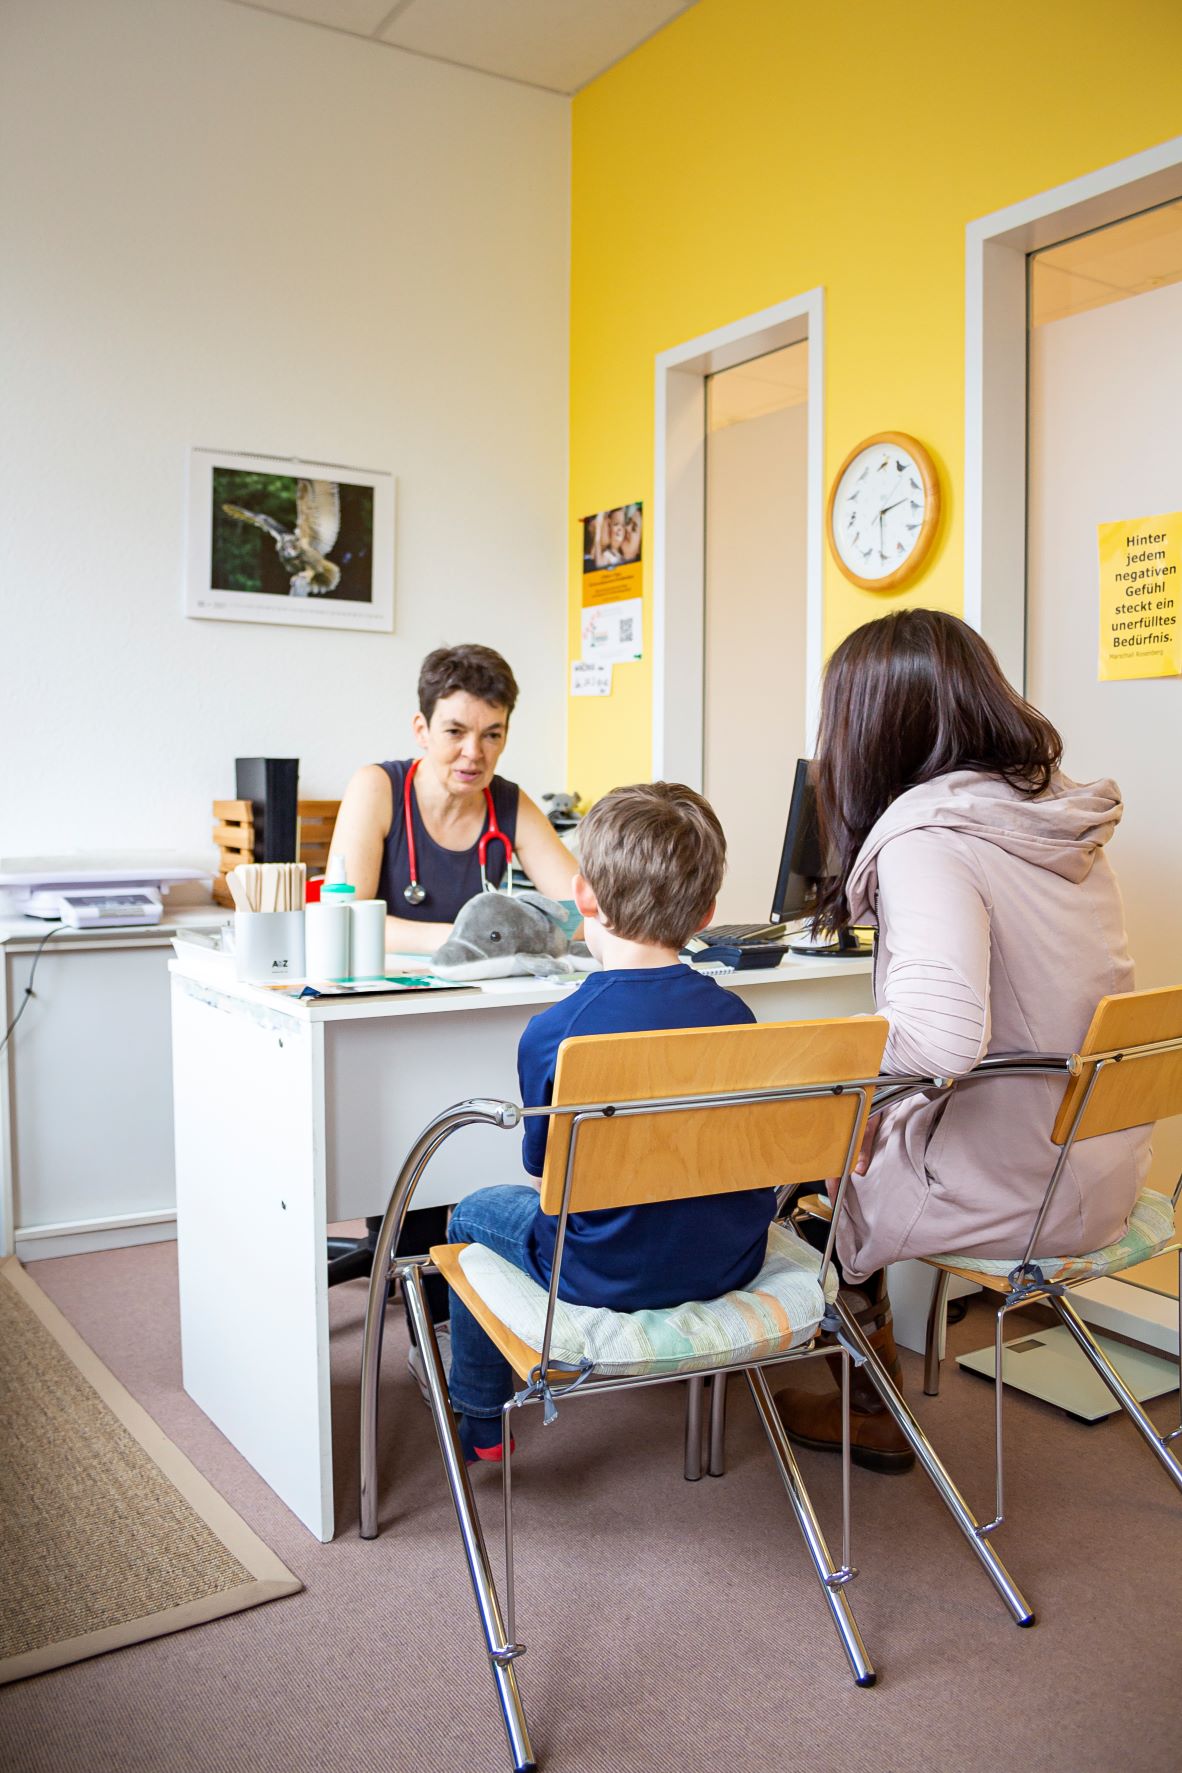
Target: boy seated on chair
(652,860)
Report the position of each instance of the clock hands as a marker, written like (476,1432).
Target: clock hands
(869,486)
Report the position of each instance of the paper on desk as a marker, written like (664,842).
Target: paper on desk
(391,986)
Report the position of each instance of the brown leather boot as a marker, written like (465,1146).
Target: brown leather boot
(813,1419)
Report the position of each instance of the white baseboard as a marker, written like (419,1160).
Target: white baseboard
(1150,1319)
(38,1243)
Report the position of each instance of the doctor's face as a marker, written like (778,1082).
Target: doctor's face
(462,742)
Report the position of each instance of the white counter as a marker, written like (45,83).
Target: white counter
(86,1141)
(293,1114)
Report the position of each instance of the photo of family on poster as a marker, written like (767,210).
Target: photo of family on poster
(612,538)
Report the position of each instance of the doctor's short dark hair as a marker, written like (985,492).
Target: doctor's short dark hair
(476,670)
(654,856)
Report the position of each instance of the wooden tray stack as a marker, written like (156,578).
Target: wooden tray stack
(233,832)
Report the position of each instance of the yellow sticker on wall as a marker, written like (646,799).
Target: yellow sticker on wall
(1140,585)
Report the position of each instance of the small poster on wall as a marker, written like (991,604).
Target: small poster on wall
(1140,575)
(589,678)
(273,539)
(613,585)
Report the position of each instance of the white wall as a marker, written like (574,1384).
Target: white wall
(227,228)
(756,626)
(1105,393)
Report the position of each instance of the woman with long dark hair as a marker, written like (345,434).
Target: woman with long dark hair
(1000,926)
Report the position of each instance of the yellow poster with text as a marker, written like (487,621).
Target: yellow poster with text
(1140,579)
(612,584)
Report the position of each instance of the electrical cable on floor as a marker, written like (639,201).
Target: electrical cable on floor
(47,937)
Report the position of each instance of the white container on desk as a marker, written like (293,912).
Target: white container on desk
(367,938)
(326,930)
(269,946)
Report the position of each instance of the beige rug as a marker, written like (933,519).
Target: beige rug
(108,1535)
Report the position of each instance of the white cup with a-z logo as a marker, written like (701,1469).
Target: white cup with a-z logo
(269,946)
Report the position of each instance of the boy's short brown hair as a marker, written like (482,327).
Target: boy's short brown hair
(477,670)
(654,856)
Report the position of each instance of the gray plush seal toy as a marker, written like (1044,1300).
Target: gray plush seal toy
(499,934)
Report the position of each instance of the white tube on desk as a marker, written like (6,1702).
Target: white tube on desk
(326,928)
(367,938)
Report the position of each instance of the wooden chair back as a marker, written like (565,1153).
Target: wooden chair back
(1138,1091)
(629,1160)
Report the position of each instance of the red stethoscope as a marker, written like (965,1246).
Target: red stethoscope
(415,893)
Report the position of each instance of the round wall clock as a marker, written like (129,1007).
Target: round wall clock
(883,510)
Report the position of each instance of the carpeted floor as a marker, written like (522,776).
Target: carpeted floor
(673,1628)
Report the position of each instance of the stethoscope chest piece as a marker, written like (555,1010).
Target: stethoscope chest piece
(414,894)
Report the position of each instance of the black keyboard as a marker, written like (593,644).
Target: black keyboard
(737,935)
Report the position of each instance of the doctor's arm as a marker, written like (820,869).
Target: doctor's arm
(542,852)
(359,838)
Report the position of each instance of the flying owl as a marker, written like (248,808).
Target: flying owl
(304,553)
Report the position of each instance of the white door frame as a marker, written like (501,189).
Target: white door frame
(679,521)
(996,358)
(996,249)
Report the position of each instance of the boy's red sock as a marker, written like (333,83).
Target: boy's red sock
(481,1439)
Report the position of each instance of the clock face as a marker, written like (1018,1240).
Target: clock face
(883,510)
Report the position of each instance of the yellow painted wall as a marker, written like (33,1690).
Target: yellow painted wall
(757,148)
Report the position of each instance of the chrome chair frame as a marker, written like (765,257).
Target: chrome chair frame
(840,1329)
(1029,1286)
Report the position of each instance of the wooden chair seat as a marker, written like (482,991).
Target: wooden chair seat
(519,1355)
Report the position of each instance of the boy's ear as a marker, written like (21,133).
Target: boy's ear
(583,897)
(704,922)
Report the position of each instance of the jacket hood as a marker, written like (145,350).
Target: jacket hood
(1062,830)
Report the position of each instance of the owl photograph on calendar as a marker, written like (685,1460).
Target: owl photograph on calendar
(282,539)
(286,536)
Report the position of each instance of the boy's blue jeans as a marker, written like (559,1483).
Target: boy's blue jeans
(499,1218)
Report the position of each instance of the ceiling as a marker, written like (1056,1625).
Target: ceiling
(1126,259)
(763,385)
(560,45)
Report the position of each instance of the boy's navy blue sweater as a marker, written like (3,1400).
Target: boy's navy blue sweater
(664,1253)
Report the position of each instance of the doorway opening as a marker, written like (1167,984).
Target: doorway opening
(679,538)
(754,714)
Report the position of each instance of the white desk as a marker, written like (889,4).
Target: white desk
(291,1116)
(86,1144)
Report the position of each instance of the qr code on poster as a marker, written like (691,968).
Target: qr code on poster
(626,623)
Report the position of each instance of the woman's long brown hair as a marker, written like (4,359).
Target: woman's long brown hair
(905,699)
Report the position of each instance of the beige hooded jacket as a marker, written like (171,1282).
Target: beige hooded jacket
(1000,926)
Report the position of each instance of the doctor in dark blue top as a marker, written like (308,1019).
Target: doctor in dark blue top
(426,833)
(652,860)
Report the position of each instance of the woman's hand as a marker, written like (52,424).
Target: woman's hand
(862,1161)
(866,1151)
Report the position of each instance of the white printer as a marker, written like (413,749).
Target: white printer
(119,896)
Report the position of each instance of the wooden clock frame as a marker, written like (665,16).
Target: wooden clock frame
(931,511)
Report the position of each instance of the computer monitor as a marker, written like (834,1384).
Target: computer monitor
(803,867)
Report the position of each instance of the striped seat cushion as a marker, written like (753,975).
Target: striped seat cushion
(1151,1230)
(780,1310)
